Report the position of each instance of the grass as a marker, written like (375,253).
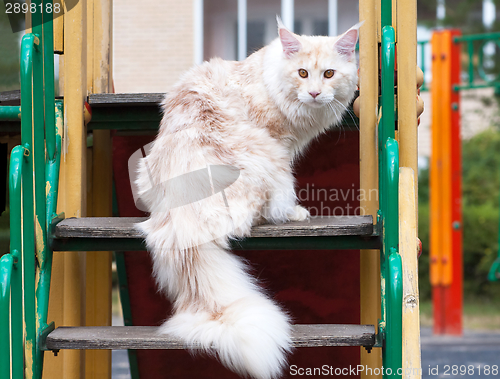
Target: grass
(478,314)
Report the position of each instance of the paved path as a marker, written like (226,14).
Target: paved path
(475,354)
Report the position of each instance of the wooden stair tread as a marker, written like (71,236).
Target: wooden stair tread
(131,99)
(123,227)
(147,337)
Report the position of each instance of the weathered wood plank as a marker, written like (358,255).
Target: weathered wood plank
(117,99)
(123,227)
(10,97)
(147,337)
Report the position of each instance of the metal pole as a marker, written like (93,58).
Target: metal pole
(440,10)
(287,13)
(198,31)
(242,29)
(332,18)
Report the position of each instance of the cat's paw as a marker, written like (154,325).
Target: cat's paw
(299,214)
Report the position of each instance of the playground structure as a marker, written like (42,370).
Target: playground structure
(446,263)
(49,174)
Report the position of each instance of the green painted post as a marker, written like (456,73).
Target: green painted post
(28,52)
(49,95)
(386,8)
(15,177)
(391,269)
(392,353)
(387,84)
(6,266)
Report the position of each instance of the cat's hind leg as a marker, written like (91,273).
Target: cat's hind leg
(218,305)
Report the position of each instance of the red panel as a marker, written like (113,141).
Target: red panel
(454,298)
(447,299)
(314,286)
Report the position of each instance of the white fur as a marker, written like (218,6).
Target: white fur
(255,115)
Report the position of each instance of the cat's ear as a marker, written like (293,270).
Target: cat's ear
(346,44)
(289,41)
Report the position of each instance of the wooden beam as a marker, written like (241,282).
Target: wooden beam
(123,227)
(148,337)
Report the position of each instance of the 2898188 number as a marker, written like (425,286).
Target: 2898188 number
(32,8)
(462,370)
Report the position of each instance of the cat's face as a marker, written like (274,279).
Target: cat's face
(321,70)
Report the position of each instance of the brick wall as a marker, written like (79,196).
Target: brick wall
(152,44)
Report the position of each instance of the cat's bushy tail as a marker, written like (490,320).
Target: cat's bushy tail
(218,306)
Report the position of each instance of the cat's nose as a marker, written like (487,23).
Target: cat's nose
(314,94)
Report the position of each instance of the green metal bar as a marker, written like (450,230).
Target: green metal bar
(391,225)
(393,352)
(390,326)
(49,83)
(38,157)
(477,37)
(470,50)
(386,17)
(387,83)
(10,113)
(393,271)
(52,171)
(28,52)
(6,267)
(121,269)
(422,62)
(15,178)
(257,243)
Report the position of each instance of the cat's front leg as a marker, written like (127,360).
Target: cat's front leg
(282,205)
(279,211)
(299,214)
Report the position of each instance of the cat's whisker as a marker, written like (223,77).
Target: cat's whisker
(348,111)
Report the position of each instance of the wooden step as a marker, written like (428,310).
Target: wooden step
(123,227)
(320,233)
(128,113)
(147,337)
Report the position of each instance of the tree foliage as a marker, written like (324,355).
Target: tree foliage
(480,199)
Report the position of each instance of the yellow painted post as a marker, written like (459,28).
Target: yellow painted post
(412,365)
(59,30)
(407,85)
(67,293)
(98,274)
(369,12)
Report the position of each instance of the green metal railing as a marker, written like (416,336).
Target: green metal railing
(476,74)
(391,272)
(33,184)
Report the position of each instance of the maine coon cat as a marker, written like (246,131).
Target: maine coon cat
(239,125)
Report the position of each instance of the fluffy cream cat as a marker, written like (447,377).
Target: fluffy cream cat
(237,126)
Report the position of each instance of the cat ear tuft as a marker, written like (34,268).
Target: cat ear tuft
(346,44)
(289,41)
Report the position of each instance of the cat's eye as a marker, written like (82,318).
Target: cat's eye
(329,73)
(303,73)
